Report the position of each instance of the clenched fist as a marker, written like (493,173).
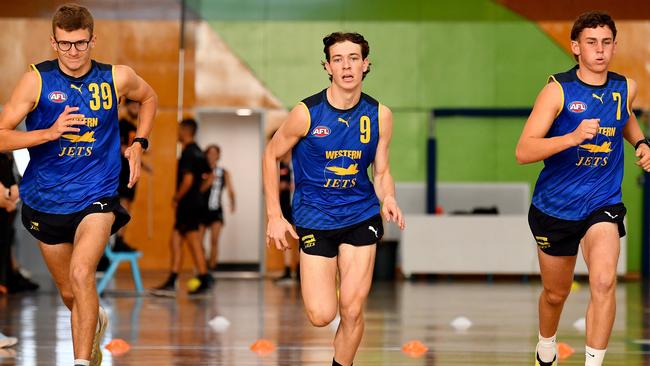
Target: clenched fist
(587,130)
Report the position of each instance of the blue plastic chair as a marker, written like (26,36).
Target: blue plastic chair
(116,258)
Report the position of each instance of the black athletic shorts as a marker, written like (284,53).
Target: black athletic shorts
(559,237)
(285,205)
(188,216)
(58,229)
(325,243)
(211,216)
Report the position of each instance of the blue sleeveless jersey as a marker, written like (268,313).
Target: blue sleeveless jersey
(579,180)
(68,174)
(332,187)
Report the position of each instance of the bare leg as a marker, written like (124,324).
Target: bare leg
(601,250)
(356,265)
(319,288)
(177,251)
(557,277)
(57,258)
(196,250)
(215,231)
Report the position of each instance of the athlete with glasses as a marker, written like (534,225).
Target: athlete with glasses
(69,189)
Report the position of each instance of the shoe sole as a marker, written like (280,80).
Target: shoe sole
(96,354)
(8,342)
(163,293)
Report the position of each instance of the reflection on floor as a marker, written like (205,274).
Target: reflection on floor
(165,331)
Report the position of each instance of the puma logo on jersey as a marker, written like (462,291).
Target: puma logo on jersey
(344,121)
(101,205)
(77,88)
(374,231)
(598,97)
(610,215)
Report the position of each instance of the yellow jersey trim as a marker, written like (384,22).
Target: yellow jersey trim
(117,95)
(40,86)
(308,119)
(627,99)
(552,77)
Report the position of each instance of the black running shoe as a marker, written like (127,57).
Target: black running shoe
(203,289)
(167,289)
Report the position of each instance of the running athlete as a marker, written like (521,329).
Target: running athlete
(69,189)
(578,126)
(213,209)
(335,134)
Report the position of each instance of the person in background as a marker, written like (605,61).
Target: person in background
(213,217)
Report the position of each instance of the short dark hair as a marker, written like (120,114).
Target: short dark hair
(591,19)
(338,37)
(71,17)
(191,124)
(213,146)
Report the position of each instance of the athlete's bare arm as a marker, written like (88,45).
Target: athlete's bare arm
(20,103)
(231,189)
(133,87)
(632,132)
(533,146)
(184,187)
(383,180)
(287,136)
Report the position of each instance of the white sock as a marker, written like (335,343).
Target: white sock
(594,357)
(81,363)
(546,348)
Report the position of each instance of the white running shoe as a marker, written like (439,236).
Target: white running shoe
(96,354)
(7,341)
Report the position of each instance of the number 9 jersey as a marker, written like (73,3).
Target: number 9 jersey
(68,174)
(332,187)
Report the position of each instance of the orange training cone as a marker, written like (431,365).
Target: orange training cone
(263,347)
(118,347)
(564,351)
(414,348)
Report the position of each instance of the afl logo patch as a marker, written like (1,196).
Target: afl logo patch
(57,97)
(577,107)
(320,131)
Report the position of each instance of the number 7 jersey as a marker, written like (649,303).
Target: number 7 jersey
(581,179)
(70,173)
(332,186)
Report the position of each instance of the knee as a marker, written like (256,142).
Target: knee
(68,297)
(602,284)
(320,317)
(351,314)
(81,276)
(555,297)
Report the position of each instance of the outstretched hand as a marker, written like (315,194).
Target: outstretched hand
(391,212)
(134,154)
(276,232)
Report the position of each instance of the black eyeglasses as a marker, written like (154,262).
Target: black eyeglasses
(67,45)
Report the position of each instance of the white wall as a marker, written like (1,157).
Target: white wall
(241,154)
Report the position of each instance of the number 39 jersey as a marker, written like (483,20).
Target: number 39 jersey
(70,173)
(332,187)
(579,180)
